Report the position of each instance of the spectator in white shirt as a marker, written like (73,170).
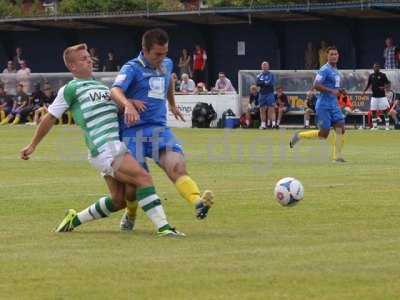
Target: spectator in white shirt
(223,84)
(187,85)
(24,77)
(18,58)
(9,79)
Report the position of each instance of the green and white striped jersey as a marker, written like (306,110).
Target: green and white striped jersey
(92,109)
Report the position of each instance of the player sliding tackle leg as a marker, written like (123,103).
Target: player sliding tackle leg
(125,169)
(146,82)
(327,82)
(174,166)
(94,111)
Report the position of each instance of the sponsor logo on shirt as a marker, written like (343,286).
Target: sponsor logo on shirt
(157,88)
(120,78)
(97,96)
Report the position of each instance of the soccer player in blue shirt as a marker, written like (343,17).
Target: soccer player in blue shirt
(327,82)
(146,81)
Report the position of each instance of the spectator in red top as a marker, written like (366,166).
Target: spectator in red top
(199,64)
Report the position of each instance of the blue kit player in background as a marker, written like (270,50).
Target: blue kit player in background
(266,100)
(327,82)
(146,81)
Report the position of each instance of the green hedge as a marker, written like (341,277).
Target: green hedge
(9,9)
(82,6)
(13,8)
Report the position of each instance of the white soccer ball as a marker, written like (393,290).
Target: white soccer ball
(288,191)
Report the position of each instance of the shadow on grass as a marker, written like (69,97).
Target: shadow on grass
(136,232)
(203,235)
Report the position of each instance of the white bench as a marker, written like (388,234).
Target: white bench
(363,114)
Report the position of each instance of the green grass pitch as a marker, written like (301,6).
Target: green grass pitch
(341,242)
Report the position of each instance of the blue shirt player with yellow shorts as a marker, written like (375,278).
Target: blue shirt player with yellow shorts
(146,82)
(327,108)
(328,113)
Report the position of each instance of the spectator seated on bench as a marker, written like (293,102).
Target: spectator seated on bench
(6,103)
(309,107)
(19,109)
(253,110)
(282,105)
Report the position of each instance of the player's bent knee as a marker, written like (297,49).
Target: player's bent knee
(143,178)
(323,133)
(179,169)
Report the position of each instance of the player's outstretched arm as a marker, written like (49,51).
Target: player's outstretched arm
(44,127)
(171,102)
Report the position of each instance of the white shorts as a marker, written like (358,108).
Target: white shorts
(104,161)
(379,103)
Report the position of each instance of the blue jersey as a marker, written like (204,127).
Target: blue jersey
(140,81)
(266,81)
(329,77)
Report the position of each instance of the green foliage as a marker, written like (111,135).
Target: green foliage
(37,8)
(8,9)
(129,5)
(13,8)
(80,6)
(166,5)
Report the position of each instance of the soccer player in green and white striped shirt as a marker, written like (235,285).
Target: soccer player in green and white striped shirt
(94,111)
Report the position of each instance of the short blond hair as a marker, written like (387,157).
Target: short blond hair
(70,50)
(253,87)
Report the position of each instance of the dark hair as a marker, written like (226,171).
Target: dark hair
(331,48)
(153,37)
